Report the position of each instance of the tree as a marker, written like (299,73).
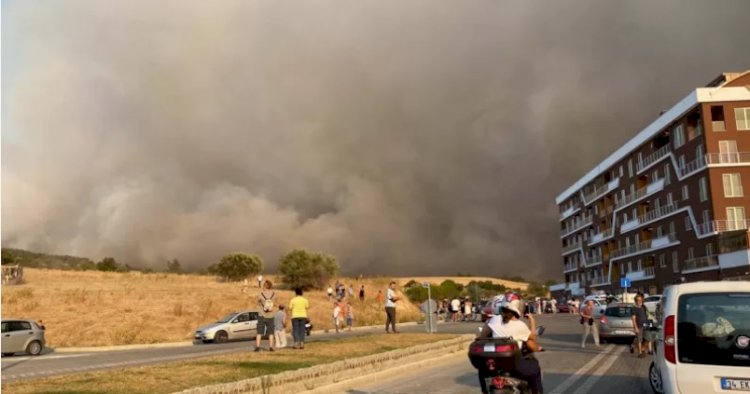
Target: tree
(174,266)
(308,270)
(237,266)
(108,264)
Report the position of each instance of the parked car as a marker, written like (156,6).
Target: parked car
(563,307)
(616,322)
(236,325)
(703,345)
(651,302)
(22,335)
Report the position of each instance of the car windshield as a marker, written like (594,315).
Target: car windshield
(652,299)
(227,318)
(618,311)
(713,328)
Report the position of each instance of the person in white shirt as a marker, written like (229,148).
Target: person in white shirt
(508,325)
(390,307)
(455,308)
(336,315)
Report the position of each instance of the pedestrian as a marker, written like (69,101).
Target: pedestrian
(351,291)
(362,294)
(280,327)
(265,327)
(390,307)
(544,305)
(467,309)
(553,302)
(336,315)
(349,315)
(298,307)
(260,280)
(639,316)
(538,306)
(455,309)
(576,305)
(589,324)
(380,297)
(330,292)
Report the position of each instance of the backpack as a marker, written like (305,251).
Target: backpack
(267,302)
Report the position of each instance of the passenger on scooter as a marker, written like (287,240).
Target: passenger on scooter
(505,324)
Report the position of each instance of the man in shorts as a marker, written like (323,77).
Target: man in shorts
(266,327)
(639,316)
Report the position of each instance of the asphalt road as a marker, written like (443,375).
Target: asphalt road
(566,368)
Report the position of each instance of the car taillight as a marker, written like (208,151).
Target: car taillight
(604,320)
(504,348)
(670,341)
(476,348)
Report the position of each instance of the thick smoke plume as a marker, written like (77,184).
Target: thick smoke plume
(404,137)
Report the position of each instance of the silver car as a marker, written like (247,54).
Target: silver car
(617,322)
(22,335)
(236,325)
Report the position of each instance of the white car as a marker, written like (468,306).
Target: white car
(651,302)
(236,325)
(703,345)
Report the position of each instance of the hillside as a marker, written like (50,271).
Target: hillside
(42,260)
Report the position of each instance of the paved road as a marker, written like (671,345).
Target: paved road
(567,369)
(17,368)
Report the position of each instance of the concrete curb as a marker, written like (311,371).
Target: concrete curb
(92,349)
(323,375)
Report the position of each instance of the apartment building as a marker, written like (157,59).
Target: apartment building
(670,205)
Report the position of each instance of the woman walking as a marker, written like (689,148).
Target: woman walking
(589,324)
(298,307)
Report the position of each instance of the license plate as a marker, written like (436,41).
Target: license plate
(735,384)
(489,348)
(623,332)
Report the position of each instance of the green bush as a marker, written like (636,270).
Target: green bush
(307,270)
(237,266)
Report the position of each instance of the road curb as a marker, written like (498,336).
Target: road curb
(92,349)
(320,376)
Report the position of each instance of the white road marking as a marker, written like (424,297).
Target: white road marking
(591,381)
(579,374)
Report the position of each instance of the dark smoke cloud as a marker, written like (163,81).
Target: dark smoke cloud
(415,137)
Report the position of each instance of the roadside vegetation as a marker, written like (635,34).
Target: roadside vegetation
(176,376)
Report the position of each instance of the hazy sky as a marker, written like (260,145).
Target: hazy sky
(403,137)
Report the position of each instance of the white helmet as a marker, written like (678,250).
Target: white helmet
(511,302)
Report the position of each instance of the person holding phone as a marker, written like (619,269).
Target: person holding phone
(390,308)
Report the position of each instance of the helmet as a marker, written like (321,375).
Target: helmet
(511,302)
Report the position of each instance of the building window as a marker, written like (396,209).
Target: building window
(635,213)
(742,117)
(630,168)
(662,261)
(706,216)
(681,163)
(666,174)
(685,194)
(669,198)
(622,269)
(630,266)
(736,218)
(717,118)
(699,151)
(671,228)
(691,253)
(655,175)
(675,262)
(639,265)
(703,189)
(732,185)
(678,136)
(709,249)
(688,227)
(728,151)
(621,172)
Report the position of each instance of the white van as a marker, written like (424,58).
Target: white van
(703,344)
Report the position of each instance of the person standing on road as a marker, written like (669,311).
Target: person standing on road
(298,307)
(553,303)
(336,315)
(260,280)
(455,308)
(351,291)
(266,299)
(589,324)
(390,308)
(362,294)
(280,327)
(349,315)
(639,316)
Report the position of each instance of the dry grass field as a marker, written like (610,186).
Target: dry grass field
(92,308)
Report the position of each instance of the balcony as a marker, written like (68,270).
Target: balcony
(694,166)
(646,246)
(650,216)
(646,273)
(701,264)
(718,125)
(651,188)
(557,287)
(586,221)
(652,158)
(601,236)
(728,158)
(592,261)
(570,211)
(570,268)
(599,281)
(720,226)
(598,193)
(571,248)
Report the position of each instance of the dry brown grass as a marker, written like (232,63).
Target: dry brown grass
(92,308)
(167,378)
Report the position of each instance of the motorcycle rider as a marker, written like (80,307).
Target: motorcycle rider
(507,323)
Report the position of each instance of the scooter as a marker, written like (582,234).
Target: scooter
(496,358)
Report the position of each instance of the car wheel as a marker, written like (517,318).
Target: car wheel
(207,341)
(654,378)
(221,337)
(34,348)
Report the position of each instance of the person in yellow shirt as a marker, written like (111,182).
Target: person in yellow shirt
(298,307)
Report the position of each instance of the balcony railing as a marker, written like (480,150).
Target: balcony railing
(601,236)
(592,261)
(719,226)
(645,246)
(571,248)
(599,280)
(646,273)
(597,193)
(700,263)
(718,125)
(586,221)
(650,216)
(649,189)
(728,158)
(693,166)
(652,158)
(571,210)
(570,268)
